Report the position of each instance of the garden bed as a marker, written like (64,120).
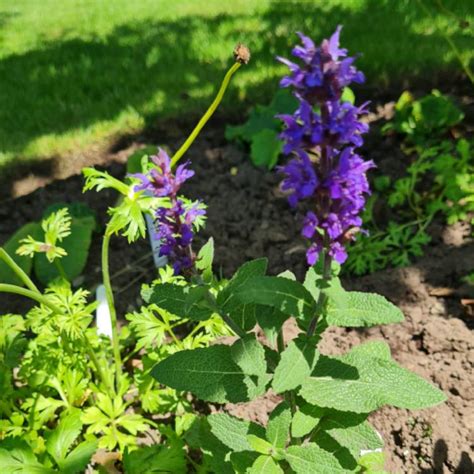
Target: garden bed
(249,218)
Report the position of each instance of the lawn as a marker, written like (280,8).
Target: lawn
(75,73)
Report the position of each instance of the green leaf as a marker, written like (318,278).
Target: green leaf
(234,432)
(373,463)
(265,148)
(296,363)
(270,320)
(76,245)
(265,465)
(259,445)
(25,263)
(134,161)
(311,459)
(63,437)
(205,258)
(305,420)
(156,459)
(78,459)
(217,373)
(16,457)
(183,301)
(350,430)
(357,309)
(278,427)
(242,314)
(289,297)
(360,381)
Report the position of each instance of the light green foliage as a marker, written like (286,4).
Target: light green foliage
(362,382)
(55,227)
(116,427)
(448,167)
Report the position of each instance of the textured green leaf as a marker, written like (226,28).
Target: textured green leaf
(242,314)
(278,428)
(77,246)
(289,297)
(62,438)
(265,148)
(361,382)
(242,461)
(25,263)
(234,432)
(183,301)
(311,459)
(357,309)
(296,363)
(373,463)
(270,320)
(78,459)
(265,465)
(218,373)
(350,430)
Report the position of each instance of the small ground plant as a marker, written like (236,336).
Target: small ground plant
(69,391)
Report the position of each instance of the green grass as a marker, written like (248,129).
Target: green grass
(74,73)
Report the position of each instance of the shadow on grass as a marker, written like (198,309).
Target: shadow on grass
(150,71)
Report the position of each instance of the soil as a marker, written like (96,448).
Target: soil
(249,218)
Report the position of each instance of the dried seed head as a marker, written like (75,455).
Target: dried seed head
(242,53)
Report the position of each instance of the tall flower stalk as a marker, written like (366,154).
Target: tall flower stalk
(321,137)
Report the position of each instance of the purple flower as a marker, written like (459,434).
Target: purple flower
(322,76)
(322,135)
(174,224)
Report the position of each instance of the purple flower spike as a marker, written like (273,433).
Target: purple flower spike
(173,225)
(321,136)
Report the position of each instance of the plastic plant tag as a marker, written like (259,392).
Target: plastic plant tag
(102,314)
(155,244)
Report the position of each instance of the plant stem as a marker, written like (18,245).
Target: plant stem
(110,302)
(184,147)
(60,269)
(322,297)
(34,295)
(280,341)
(17,269)
(95,361)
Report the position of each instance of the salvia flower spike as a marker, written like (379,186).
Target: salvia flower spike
(174,224)
(321,136)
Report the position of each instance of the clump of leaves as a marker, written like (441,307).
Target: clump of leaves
(262,129)
(424,118)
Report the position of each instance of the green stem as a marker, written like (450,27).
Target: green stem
(110,302)
(95,361)
(60,268)
(33,295)
(322,296)
(184,147)
(17,269)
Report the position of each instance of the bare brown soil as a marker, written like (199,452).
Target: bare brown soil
(249,218)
